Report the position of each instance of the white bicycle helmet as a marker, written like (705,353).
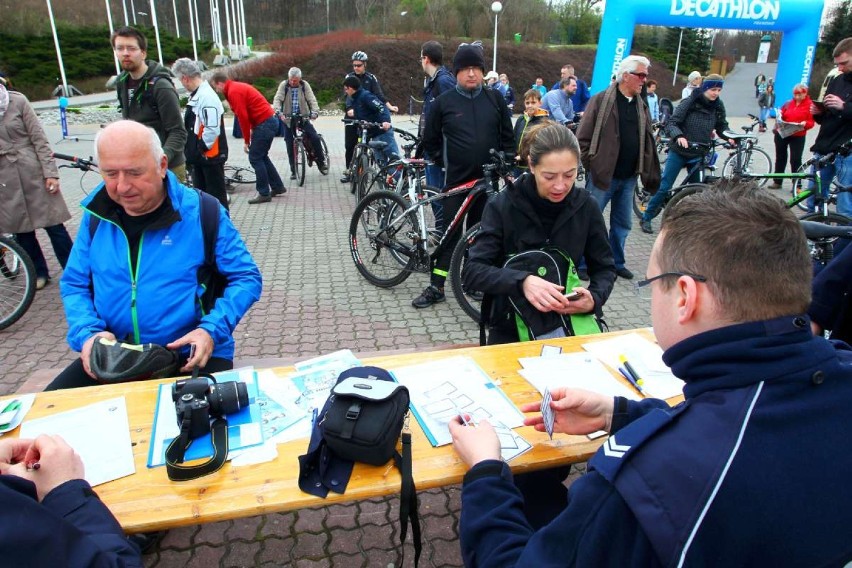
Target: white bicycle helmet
(359,56)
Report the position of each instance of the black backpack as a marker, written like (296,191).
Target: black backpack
(208,274)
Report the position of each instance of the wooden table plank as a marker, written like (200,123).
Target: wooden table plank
(148,501)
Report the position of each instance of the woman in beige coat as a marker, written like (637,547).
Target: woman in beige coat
(29,184)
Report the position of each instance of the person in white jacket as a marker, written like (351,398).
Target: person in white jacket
(206,142)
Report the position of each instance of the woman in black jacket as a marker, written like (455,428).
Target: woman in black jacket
(542,209)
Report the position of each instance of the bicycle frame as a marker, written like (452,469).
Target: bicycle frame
(475,188)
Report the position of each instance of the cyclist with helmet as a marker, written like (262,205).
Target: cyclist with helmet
(369,83)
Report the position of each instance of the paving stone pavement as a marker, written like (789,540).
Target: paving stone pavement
(313,302)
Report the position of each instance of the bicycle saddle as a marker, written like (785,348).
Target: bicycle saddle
(116,362)
(814,230)
(377,144)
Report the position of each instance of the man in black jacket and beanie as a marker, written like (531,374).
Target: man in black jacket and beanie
(463,126)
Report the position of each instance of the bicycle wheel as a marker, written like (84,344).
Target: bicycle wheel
(238,174)
(299,161)
(755,162)
(365,171)
(17,282)
(469,300)
(325,154)
(640,200)
(663,151)
(354,174)
(383,242)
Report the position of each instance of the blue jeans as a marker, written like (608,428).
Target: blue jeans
(435,179)
(674,164)
(388,151)
(842,169)
(262,136)
(764,114)
(620,197)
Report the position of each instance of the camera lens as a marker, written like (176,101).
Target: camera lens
(227,398)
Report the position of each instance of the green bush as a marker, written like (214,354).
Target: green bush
(327,96)
(268,86)
(30,61)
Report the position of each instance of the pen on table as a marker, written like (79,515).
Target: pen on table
(627,375)
(631,370)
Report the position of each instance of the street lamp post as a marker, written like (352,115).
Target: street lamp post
(496,7)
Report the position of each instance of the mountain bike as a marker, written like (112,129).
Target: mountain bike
(17,281)
(820,211)
(746,157)
(304,154)
(364,162)
(387,177)
(661,142)
(391,236)
(834,186)
(697,172)
(84,166)
(235,175)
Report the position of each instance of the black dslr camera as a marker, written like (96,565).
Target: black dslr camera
(199,400)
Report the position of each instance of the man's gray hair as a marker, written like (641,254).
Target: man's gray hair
(154,145)
(294,72)
(185,67)
(629,64)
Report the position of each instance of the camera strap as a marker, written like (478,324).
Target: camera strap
(178,447)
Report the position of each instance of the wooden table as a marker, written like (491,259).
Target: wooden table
(148,501)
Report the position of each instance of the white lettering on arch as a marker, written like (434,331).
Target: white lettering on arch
(727,9)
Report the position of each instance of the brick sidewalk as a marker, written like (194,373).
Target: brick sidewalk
(313,302)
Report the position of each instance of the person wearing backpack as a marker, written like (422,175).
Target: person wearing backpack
(463,126)
(140,275)
(295,96)
(207,141)
(542,212)
(147,95)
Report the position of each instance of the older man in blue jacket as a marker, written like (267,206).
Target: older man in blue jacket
(714,481)
(135,276)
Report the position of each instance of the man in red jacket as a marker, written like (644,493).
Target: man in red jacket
(259,126)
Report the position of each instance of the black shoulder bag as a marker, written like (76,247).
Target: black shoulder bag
(362,421)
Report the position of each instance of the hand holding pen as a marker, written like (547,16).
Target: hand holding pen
(47,461)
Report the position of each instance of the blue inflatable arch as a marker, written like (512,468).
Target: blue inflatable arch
(798,20)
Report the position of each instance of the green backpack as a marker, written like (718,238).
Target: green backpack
(554,265)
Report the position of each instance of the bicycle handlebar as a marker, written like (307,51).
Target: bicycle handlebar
(76,162)
(406,134)
(501,162)
(361,123)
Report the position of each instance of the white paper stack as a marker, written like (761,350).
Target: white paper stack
(574,370)
(645,357)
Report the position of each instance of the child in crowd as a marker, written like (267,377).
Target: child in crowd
(653,100)
(533,114)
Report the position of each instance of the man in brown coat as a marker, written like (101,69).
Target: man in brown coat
(616,146)
(30,184)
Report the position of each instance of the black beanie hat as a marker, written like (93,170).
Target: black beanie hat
(469,55)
